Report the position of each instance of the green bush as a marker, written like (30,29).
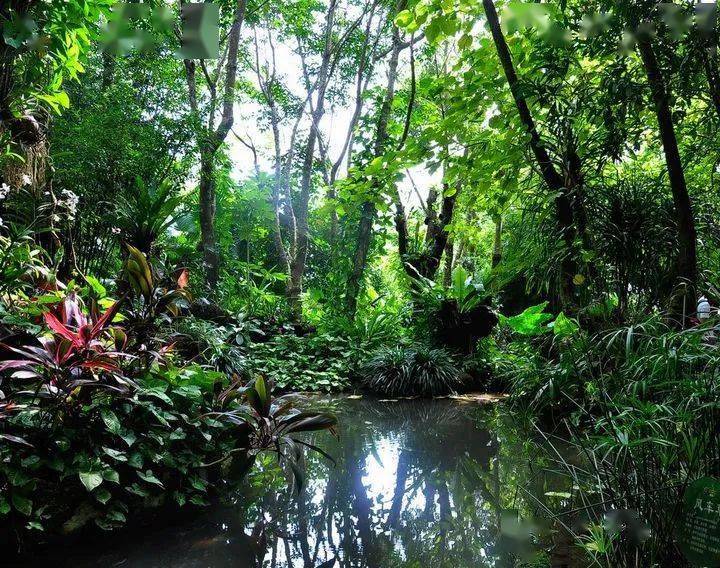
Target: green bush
(222,347)
(112,456)
(417,371)
(96,425)
(322,362)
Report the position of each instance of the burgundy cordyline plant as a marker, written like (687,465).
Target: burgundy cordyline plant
(80,351)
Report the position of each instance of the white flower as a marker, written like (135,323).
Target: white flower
(69,201)
(4,190)
(26,179)
(1,222)
(115,230)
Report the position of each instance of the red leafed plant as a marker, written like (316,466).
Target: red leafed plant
(82,351)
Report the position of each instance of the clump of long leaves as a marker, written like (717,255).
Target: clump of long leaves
(154,299)
(418,371)
(457,316)
(271,424)
(219,346)
(148,211)
(639,405)
(77,351)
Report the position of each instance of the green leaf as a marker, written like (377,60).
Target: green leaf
(96,285)
(111,475)
(115,454)
(22,504)
(128,437)
(564,326)
(149,477)
(403,18)
(102,495)
(111,421)
(90,479)
(117,516)
(136,460)
(4,506)
(465,41)
(530,322)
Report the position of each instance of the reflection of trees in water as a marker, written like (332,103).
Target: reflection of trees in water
(436,508)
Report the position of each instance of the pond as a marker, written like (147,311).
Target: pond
(415,483)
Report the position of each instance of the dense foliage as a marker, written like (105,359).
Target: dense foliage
(413,198)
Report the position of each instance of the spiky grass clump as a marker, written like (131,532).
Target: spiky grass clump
(387,372)
(420,371)
(433,372)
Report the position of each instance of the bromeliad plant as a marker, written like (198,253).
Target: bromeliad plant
(78,350)
(270,424)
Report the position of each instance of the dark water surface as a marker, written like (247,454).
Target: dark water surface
(416,484)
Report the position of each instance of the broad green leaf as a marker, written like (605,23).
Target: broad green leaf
(90,479)
(22,504)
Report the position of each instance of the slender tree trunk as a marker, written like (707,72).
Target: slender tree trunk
(497,242)
(368,212)
(276,197)
(297,269)
(207,216)
(553,180)
(449,261)
(211,139)
(362,80)
(684,303)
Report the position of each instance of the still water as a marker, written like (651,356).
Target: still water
(415,484)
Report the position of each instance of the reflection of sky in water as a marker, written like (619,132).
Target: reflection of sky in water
(404,506)
(415,485)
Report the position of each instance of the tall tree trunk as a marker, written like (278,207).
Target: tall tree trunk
(449,261)
(362,80)
(551,177)
(297,269)
(497,242)
(684,299)
(211,139)
(367,211)
(208,200)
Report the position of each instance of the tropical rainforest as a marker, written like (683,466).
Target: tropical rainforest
(223,224)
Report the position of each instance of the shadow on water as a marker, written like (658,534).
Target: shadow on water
(415,484)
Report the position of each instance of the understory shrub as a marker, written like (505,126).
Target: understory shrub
(100,417)
(412,371)
(323,362)
(222,347)
(455,317)
(113,455)
(639,402)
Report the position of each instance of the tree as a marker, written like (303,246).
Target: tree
(44,44)
(220,86)
(320,73)
(553,179)
(687,236)
(368,209)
